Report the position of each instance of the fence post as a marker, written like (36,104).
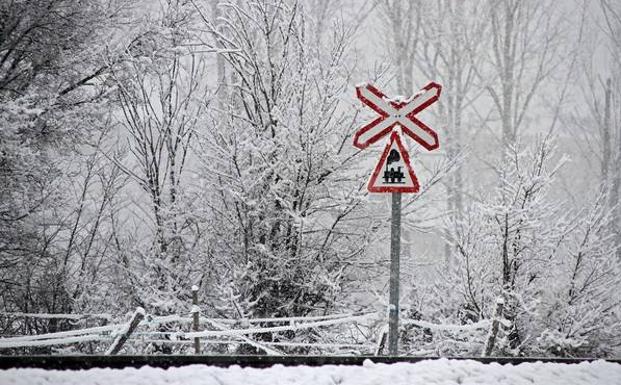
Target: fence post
(381,343)
(124,334)
(195,314)
(493,330)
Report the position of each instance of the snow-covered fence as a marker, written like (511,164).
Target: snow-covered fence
(225,332)
(222,326)
(442,339)
(60,338)
(221,331)
(37,326)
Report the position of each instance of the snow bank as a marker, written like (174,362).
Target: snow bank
(431,372)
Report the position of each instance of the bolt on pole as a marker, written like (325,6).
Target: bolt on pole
(395,252)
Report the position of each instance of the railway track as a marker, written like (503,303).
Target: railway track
(76,362)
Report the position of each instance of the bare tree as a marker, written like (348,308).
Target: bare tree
(163,99)
(612,109)
(403,20)
(525,42)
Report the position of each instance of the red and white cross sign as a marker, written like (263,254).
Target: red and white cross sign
(393,112)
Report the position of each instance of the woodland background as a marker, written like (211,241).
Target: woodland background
(148,146)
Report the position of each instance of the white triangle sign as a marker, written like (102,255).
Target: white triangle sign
(393,172)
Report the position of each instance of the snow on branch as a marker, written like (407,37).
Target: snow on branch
(481,325)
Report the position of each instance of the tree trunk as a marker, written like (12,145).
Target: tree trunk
(606,140)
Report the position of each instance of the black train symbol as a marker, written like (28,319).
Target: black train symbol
(392,175)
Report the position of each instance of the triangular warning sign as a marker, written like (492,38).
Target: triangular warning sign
(393,172)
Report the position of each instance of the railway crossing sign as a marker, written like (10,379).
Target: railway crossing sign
(393,172)
(397,112)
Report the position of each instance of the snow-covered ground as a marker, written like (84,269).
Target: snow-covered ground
(431,372)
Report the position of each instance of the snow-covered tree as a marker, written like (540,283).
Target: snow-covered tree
(504,239)
(52,113)
(284,198)
(580,312)
(554,266)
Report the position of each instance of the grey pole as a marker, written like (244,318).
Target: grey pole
(395,252)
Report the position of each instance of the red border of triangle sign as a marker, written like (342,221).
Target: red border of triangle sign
(392,114)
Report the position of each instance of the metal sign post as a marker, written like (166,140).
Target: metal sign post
(395,254)
(394,173)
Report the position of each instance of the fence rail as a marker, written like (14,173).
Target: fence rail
(222,331)
(74,317)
